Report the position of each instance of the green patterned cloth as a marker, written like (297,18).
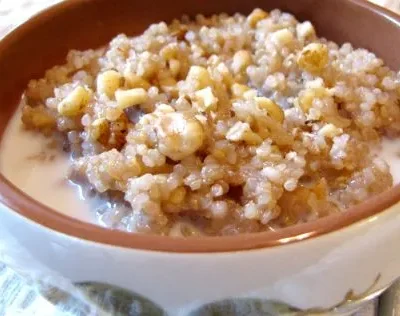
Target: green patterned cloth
(19,297)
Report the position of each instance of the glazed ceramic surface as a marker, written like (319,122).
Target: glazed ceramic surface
(314,274)
(351,258)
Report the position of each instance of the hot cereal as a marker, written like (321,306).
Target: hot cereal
(222,125)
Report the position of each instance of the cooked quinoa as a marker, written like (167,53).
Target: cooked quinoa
(221,125)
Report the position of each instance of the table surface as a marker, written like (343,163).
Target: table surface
(19,297)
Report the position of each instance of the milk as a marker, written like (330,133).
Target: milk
(46,180)
(390,152)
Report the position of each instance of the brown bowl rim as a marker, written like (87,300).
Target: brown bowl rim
(19,202)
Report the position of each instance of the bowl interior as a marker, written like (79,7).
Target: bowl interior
(45,40)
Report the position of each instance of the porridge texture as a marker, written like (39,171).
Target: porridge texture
(221,125)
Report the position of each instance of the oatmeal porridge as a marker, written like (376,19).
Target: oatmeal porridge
(219,125)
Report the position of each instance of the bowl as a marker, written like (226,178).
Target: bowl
(331,264)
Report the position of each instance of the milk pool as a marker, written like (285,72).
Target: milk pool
(43,179)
